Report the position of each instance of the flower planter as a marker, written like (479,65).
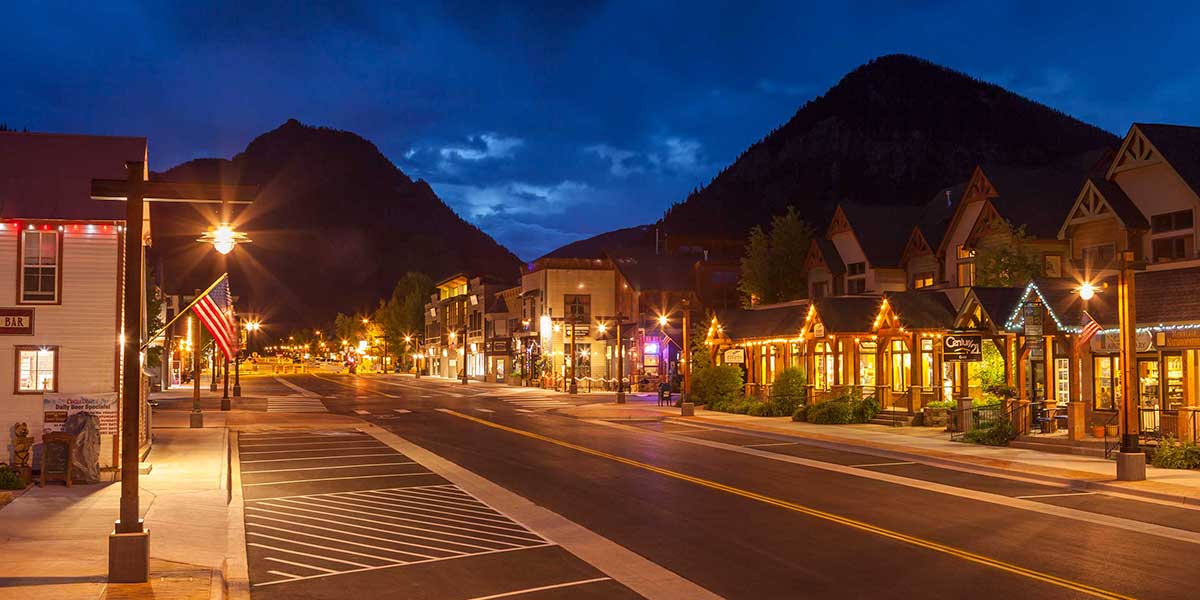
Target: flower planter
(1111,431)
(936,417)
(1098,431)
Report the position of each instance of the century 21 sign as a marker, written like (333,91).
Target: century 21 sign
(962,347)
(16,321)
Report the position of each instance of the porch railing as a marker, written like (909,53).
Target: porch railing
(981,417)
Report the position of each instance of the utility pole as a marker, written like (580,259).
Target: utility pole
(686,353)
(212,361)
(237,361)
(196,419)
(1131,461)
(571,387)
(462,342)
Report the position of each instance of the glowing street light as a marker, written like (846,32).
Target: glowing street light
(1087,291)
(223,238)
(662,320)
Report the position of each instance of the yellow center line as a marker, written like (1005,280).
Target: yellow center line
(792,506)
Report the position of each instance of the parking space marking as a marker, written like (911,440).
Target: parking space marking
(770,444)
(359,411)
(296,404)
(289,443)
(327,534)
(1056,495)
(329,467)
(375,447)
(883,464)
(265,460)
(485,410)
(542,588)
(336,478)
(401,410)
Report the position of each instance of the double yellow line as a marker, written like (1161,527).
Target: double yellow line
(812,512)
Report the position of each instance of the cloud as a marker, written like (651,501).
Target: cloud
(512,198)
(682,154)
(622,163)
(483,147)
(768,86)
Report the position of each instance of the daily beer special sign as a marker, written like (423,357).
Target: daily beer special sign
(16,321)
(57,407)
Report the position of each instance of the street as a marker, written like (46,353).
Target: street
(739,514)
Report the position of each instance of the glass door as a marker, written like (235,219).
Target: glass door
(1062,380)
(1173,380)
(1149,402)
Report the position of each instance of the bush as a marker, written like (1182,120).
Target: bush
(864,410)
(1172,454)
(999,434)
(946,404)
(789,390)
(717,387)
(801,413)
(10,479)
(834,412)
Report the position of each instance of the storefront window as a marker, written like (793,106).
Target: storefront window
(866,363)
(1174,381)
(901,366)
(1062,380)
(1148,383)
(37,369)
(822,365)
(927,364)
(1107,387)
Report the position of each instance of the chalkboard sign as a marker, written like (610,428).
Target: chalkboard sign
(56,457)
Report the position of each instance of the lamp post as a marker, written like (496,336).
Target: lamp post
(686,353)
(619,355)
(196,418)
(1131,461)
(129,543)
(462,343)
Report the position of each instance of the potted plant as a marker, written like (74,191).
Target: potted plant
(1111,430)
(1098,431)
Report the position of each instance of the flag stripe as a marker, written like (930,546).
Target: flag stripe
(215,311)
(1090,329)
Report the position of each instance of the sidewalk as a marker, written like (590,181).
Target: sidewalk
(55,540)
(928,445)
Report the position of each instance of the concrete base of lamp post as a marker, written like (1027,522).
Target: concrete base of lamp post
(687,409)
(196,420)
(225,403)
(1131,466)
(129,557)
(237,391)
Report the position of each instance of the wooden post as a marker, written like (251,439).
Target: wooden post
(131,372)
(1126,311)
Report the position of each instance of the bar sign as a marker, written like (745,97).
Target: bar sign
(16,321)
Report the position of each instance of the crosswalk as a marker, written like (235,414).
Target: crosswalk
(534,403)
(295,403)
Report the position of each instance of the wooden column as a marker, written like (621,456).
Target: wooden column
(1126,311)
(914,372)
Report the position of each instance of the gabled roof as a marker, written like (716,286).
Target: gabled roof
(830,256)
(922,309)
(847,314)
(998,303)
(1180,146)
(498,305)
(881,231)
(938,212)
(783,320)
(49,176)
(645,270)
(1037,198)
(1096,198)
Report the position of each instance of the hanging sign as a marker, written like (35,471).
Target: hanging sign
(1034,331)
(16,321)
(819,330)
(734,356)
(962,347)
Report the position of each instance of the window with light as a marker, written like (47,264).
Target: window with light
(37,370)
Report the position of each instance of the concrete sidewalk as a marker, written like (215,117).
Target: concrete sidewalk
(55,540)
(928,445)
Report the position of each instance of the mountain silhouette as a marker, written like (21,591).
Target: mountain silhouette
(335,225)
(893,132)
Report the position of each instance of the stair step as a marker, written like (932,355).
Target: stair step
(1058,448)
(893,419)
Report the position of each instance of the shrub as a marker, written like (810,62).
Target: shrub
(10,479)
(834,412)
(999,434)
(864,410)
(760,409)
(717,386)
(946,404)
(1172,454)
(801,413)
(789,390)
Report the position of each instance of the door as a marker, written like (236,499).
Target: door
(1149,402)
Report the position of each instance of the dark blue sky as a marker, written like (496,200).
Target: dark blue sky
(545,123)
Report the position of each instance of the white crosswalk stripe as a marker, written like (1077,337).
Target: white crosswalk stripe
(295,404)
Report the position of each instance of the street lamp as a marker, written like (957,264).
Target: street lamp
(223,238)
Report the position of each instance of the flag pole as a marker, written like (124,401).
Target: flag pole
(184,311)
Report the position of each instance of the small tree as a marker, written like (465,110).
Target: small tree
(1010,264)
(717,386)
(773,266)
(789,390)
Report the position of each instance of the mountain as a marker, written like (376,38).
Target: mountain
(629,237)
(335,225)
(893,131)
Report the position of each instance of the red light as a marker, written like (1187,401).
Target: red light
(45,227)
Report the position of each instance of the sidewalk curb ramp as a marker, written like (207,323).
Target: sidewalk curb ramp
(939,461)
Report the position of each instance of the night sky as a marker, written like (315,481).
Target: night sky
(548,123)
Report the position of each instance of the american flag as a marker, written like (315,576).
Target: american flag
(215,309)
(1090,328)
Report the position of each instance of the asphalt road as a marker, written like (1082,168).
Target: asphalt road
(748,516)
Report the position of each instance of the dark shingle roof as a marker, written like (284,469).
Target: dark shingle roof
(882,231)
(918,310)
(848,314)
(645,270)
(998,302)
(829,252)
(1180,145)
(937,213)
(770,322)
(498,306)
(1126,210)
(1171,296)
(1037,198)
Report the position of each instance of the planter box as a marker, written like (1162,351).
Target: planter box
(936,417)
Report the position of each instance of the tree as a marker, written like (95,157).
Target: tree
(1010,263)
(773,267)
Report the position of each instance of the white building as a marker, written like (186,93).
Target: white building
(61,256)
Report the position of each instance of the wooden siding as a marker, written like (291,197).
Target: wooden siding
(84,326)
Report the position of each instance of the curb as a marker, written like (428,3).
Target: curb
(235,570)
(958,465)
